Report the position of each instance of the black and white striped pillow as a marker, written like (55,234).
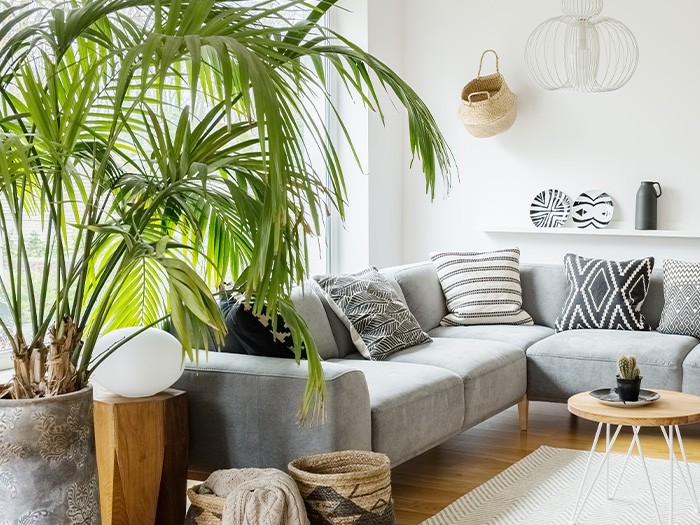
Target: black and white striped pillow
(481,287)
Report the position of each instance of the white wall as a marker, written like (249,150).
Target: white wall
(648,130)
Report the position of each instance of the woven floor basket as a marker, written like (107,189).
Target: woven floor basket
(349,487)
(488,106)
(205,509)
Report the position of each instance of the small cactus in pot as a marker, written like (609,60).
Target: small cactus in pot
(628,378)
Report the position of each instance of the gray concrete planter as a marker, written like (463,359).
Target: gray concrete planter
(48,471)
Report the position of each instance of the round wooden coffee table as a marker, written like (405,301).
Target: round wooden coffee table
(668,413)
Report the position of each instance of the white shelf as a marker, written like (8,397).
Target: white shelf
(607,232)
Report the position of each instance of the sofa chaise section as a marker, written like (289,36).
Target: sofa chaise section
(691,372)
(578,360)
(243,412)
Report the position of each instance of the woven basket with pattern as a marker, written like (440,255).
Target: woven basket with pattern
(347,487)
(488,106)
(205,509)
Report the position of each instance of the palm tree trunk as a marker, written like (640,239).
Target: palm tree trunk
(61,377)
(21,385)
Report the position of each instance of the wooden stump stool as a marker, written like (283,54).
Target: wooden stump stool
(141,446)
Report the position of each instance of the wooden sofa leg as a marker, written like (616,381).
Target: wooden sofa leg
(523,407)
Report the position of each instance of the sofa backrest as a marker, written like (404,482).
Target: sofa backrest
(654,303)
(545,289)
(422,292)
(330,333)
(313,311)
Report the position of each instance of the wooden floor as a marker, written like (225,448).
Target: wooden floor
(428,483)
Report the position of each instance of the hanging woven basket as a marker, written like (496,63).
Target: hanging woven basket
(340,488)
(488,106)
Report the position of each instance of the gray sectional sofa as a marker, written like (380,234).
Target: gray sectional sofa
(243,409)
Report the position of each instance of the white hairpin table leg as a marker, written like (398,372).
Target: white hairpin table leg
(606,458)
(689,482)
(635,437)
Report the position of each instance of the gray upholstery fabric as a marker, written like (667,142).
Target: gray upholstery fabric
(654,303)
(243,412)
(691,371)
(414,407)
(310,308)
(341,334)
(422,291)
(521,336)
(577,360)
(343,340)
(494,374)
(544,291)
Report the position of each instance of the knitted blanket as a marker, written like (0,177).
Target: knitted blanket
(257,497)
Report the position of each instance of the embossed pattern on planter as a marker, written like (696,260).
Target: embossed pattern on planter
(48,471)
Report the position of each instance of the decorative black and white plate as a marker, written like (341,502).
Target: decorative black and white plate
(593,209)
(608,396)
(550,208)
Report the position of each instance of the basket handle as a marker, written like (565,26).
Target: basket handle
(481,62)
(470,95)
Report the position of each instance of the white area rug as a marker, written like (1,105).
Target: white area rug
(541,489)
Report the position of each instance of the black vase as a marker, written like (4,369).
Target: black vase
(628,389)
(645,216)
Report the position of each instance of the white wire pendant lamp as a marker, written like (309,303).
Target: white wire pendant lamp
(581,50)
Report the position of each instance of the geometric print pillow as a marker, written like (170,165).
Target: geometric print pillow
(605,294)
(379,322)
(481,287)
(681,312)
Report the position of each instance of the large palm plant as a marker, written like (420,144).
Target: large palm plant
(157,147)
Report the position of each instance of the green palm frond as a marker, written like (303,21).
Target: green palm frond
(163,147)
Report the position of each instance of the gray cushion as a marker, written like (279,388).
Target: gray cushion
(544,291)
(422,291)
(691,372)
(494,374)
(521,336)
(578,360)
(341,334)
(414,407)
(309,306)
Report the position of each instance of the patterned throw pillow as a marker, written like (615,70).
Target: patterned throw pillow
(605,294)
(481,288)
(379,322)
(681,313)
(252,334)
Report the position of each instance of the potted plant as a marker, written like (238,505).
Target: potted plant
(628,378)
(149,149)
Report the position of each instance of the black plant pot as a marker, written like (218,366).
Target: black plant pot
(628,389)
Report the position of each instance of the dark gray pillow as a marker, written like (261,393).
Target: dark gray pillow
(379,322)
(681,313)
(605,294)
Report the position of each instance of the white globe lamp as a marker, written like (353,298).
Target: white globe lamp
(147,364)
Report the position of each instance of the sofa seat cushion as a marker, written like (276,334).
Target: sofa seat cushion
(414,408)
(691,371)
(493,373)
(521,336)
(579,360)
